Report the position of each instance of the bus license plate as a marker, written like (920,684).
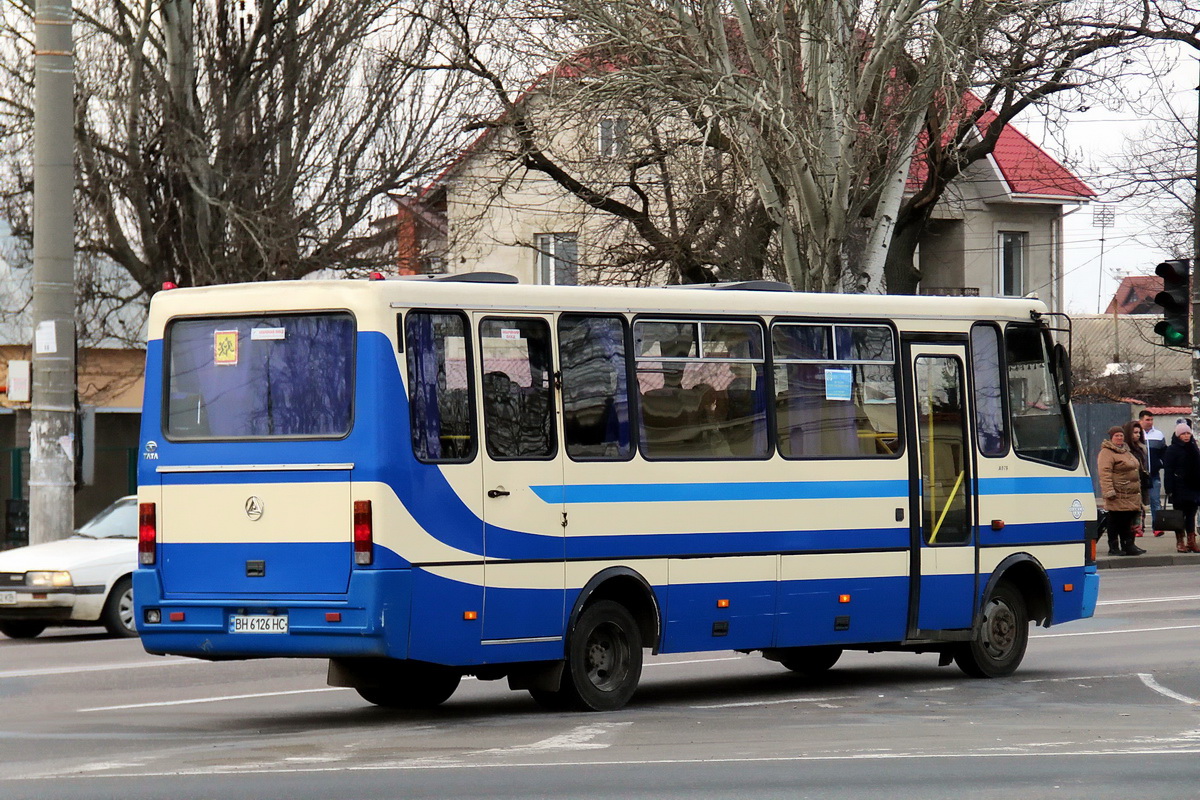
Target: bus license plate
(257,624)
(8,598)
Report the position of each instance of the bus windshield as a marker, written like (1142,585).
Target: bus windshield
(260,377)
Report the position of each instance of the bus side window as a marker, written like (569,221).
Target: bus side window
(439,387)
(518,418)
(1039,423)
(595,387)
(991,426)
(835,391)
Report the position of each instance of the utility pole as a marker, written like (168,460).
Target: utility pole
(52,430)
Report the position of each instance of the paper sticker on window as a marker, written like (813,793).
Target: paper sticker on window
(838,383)
(267,334)
(511,334)
(225,348)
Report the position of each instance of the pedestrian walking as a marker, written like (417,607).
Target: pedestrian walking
(1156,445)
(1121,489)
(1181,479)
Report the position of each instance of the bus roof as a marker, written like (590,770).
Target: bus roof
(379,299)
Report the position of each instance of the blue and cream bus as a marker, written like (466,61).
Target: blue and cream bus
(421,479)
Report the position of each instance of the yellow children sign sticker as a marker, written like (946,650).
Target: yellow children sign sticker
(225,348)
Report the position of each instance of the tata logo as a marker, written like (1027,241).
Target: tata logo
(1076,509)
(151,453)
(254,508)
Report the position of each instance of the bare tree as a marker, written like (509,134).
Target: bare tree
(224,141)
(816,109)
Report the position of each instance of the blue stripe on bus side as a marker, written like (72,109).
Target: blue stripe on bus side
(720,491)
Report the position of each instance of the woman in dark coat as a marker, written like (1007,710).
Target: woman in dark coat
(1181,479)
(1136,442)
(1121,487)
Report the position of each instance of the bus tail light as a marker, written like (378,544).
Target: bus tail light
(363,533)
(147,533)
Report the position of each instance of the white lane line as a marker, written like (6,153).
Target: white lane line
(212,699)
(1148,600)
(775,702)
(1148,679)
(311,691)
(1109,633)
(426,764)
(42,671)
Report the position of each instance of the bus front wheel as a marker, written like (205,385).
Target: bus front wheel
(413,687)
(604,660)
(999,644)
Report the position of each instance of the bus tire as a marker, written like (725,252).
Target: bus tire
(414,688)
(604,659)
(999,644)
(117,616)
(810,662)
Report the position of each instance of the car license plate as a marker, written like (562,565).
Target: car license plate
(8,598)
(257,623)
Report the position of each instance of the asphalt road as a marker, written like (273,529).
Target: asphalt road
(1104,708)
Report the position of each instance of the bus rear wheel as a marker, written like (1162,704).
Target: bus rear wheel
(413,687)
(810,661)
(999,645)
(604,660)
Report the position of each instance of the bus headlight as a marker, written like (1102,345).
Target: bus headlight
(47,579)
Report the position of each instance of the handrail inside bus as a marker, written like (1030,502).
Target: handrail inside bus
(946,508)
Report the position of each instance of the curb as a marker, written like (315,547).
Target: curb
(1122,562)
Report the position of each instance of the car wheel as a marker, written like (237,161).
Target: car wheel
(21,628)
(117,616)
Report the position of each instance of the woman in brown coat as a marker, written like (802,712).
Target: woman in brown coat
(1121,489)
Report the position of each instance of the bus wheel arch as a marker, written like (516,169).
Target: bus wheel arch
(628,588)
(1029,577)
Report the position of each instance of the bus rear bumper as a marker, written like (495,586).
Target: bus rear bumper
(357,623)
(1091,590)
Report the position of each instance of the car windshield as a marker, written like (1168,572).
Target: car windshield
(118,521)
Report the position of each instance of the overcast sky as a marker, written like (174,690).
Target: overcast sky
(1093,140)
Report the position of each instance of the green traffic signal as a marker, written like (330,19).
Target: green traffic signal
(1175,300)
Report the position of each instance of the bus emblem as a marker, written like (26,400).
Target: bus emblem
(254,508)
(1076,509)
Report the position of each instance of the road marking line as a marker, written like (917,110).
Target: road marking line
(38,672)
(212,699)
(576,739)
(425,764)
(1106,633)
(776,702)
(1148,679)
(1148,600)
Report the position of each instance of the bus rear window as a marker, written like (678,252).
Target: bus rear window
(260,377)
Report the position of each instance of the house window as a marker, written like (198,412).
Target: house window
(614,136)
(1012,263)
(557,258)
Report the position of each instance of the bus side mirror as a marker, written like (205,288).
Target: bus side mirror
(1061,367)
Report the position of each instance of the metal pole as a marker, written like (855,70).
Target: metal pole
(52,427)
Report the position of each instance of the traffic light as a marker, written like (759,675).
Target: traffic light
(1176,300)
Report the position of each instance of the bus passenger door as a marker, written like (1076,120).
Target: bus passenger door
(523,538)
(944,560)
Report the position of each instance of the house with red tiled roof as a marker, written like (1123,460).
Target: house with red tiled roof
(1136,295)
(996,232)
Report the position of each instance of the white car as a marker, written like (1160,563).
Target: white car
(84,580)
